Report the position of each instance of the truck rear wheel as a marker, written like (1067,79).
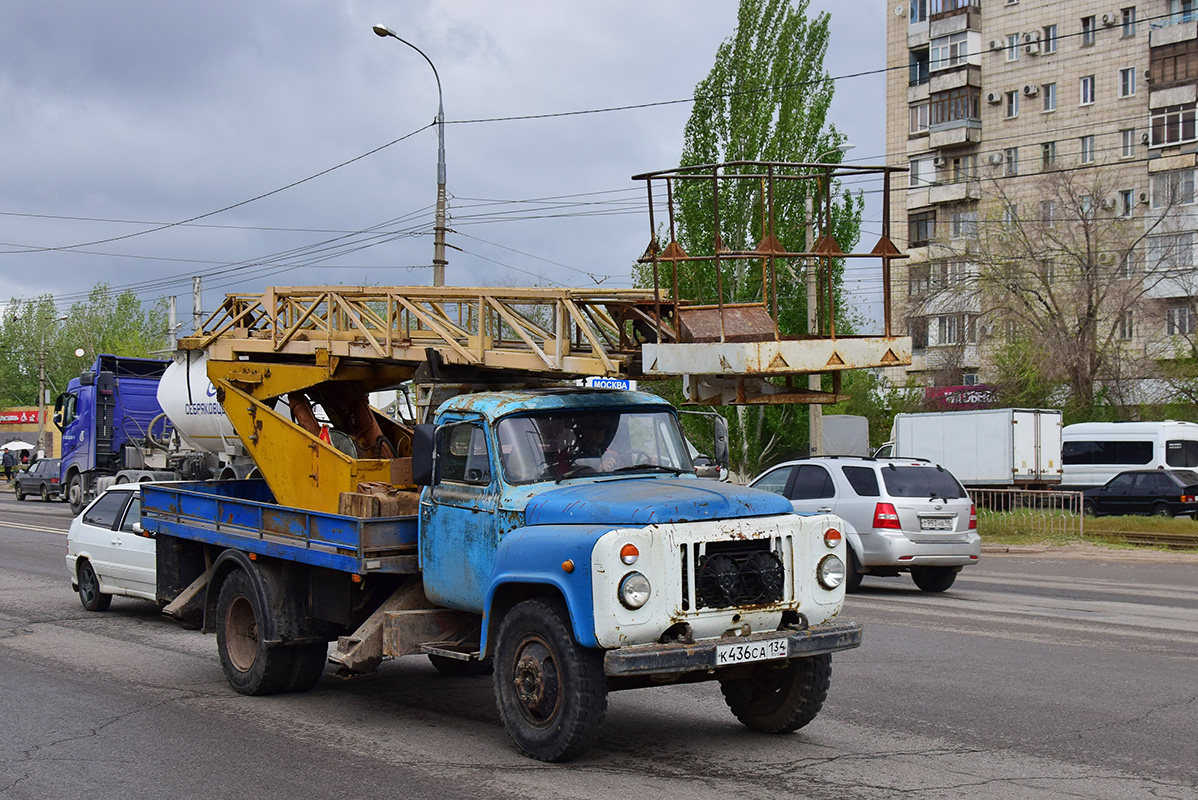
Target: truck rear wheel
(307,665)
(780,698)
(551,693)
(250,666)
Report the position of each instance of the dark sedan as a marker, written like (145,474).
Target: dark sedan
(1159,492)
(40,480)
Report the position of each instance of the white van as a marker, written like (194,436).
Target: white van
(1094,452)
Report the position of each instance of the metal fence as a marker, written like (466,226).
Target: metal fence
(1036,511)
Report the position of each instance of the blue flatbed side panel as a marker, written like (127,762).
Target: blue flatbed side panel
(242,514)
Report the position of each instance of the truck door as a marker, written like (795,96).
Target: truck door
(458,528)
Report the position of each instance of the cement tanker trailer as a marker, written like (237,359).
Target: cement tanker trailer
(131,420)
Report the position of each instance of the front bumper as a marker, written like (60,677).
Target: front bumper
(653,659)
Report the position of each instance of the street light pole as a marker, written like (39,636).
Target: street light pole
(439,261)
(815,411)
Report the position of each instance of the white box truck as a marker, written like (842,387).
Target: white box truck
(1001,447)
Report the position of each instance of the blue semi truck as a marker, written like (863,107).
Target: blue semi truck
(560,538)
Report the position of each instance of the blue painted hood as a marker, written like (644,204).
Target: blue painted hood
(644,501)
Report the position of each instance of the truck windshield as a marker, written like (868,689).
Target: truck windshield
(574,443)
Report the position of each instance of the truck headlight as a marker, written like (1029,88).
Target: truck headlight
(634,590)
(830,572)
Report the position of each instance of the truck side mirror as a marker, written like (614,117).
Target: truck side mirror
(87,378)
(720,437)
(424,455)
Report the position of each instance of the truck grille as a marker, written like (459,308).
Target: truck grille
(734,573)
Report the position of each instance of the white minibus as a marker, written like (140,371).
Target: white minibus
(1094,452)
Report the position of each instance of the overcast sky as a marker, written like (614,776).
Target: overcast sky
(123,117)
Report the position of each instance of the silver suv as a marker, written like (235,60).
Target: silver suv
(902,514)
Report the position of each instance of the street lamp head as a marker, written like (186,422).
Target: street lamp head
(383,30)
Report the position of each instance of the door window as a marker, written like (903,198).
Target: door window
(107,510)
(1120,483)
(132,515)
(774,481)
(464,454)
(811,482)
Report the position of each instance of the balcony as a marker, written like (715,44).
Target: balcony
(957,192)
(954,133)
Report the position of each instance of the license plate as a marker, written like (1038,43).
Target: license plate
(935,524)
(743,653)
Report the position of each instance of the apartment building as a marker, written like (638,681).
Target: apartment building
(994,106)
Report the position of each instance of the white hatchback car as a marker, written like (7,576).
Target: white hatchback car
(901,514)
(107,553)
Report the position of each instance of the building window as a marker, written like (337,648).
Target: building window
(919,117)
(919,11)
(1173,124)
(921,227)
(917,329)
(918,279)
(1127,264)
(1172,252)
(949,329)
(1049,44)
(1127,143)
(963,103)
(922,172)
(1050,96)
(965,168)
(918,67)
(1010,216)
(1180,321)
(1126,325)
(1012,105)
(1128,19)
(1126,202)
(1174,188)
(1181,11)
(1127,82)
(1048,155)
(1089,31)
(1088,149)
(949,51)
(1011,159)
(1174,63)
(1012,47)
(1086,90)
(963,224)
(1048,213)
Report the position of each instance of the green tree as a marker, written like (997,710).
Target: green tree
(765,99)
(106,322)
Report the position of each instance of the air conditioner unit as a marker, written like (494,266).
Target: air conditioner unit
(939,161)
(1032,49)
(1108,203)
(1143,198)
(994,158)
(1144,138)
(996,44)
(1110,20)
(994,98)
(900,10)
(1031,90)
(1031,37)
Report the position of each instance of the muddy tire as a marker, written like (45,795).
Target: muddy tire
(307,665)
(45,494)
(551,693)
(1161,510)
(17,489)
(933,579)
(250,666)
(457,668)
(780,698)
(89,588)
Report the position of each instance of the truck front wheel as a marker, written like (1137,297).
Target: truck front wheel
(780,698)
(75,493)
(551,693)
(250,666)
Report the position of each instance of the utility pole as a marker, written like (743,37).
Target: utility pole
(172,323)
(41,392)
(815,412)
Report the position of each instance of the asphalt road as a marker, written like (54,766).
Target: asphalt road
(1036,676)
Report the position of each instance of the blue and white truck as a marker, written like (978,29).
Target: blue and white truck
(116,426)
(560,537)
